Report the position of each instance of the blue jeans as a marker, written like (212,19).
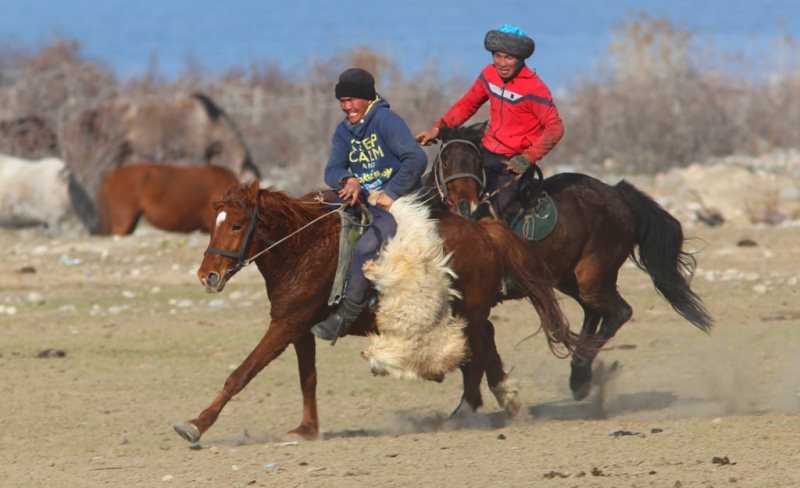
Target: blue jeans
(383,228)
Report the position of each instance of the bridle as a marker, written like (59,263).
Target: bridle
(438,170)
(241,260)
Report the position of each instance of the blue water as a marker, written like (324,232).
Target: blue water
(131,36)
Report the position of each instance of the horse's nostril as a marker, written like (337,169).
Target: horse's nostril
(212,279)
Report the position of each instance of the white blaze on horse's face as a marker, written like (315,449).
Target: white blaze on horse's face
(221,217)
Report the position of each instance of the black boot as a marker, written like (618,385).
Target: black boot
(339,322)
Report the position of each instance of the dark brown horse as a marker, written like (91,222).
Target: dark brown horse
(299,269)
(173,198)
(599,227)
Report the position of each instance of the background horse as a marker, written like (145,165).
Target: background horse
(186,131)
(299,272)
(173,198)
(37,192)
(599,227)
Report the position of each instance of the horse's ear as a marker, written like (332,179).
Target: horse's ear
(445,132)
(478,128)
(254,186)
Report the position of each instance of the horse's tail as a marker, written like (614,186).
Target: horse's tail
(659,237)
(529,272)
(82,203)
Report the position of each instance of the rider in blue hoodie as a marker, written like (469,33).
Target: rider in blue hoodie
(373,150)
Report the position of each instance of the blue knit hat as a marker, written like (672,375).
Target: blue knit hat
(509,39)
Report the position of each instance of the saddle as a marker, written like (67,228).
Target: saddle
(535,221)
(538,215)
(351,229)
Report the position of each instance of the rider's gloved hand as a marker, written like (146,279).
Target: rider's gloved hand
(519,164)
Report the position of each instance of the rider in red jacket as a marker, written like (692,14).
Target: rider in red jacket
(524,124)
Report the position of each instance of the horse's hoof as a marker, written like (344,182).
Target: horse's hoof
(514,405)
(187,430)
(581,391)
(305,433)
(580,381)
(437,377)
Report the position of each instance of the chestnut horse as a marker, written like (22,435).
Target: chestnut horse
(599,226)
(173,198)
(298,269)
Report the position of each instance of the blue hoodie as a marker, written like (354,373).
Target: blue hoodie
(379,151)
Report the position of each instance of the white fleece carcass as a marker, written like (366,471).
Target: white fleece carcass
(418,335)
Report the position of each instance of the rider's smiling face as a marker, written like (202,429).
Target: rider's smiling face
(505,64)
(354,108)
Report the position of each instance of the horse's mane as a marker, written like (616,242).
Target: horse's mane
(472,133)
(215,112)
(281,205)
(212,109)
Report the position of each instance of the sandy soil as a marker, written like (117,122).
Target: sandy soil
(144,346)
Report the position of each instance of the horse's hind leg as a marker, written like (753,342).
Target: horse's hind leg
(580,378)
(117,214)
(122,219)
(615,312)
(472,373)
(501,384)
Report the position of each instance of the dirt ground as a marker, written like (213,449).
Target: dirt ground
(132,344)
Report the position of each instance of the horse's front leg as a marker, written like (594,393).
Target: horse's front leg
(306,365)
(276,339)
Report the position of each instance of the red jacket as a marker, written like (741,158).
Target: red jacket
(522,115)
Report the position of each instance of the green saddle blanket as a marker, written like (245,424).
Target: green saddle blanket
(537,222)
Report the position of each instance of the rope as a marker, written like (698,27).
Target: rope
(326,214)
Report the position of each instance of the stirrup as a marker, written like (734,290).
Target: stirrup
(330,328)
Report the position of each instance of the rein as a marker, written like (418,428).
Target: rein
(239,256)
(441,180)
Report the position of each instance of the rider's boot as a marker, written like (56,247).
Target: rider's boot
(340,321)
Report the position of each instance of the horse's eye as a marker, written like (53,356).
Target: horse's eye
(237,226)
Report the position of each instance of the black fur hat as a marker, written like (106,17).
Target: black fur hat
(510,40)
(356,83)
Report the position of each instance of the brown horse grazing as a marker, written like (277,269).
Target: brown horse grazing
(599,226)
(173,198)
(299,269)
(185,131)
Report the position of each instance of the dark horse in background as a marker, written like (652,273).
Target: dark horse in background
(172,198)
(299,270)
(599,226)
